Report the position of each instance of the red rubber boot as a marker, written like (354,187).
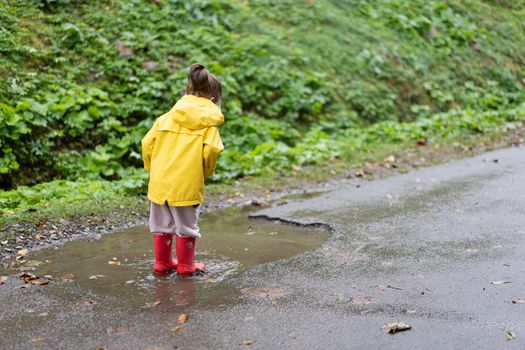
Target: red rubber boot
(185,247)
(162,249)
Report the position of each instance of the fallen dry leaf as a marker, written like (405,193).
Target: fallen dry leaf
(359,173)
(94,277)
(386,286)
(156,303)
(182,318)
(39,281)
(122,329)
(511,335)
(396,327)
(518,301)
(360,299)
(39,341)
(247,342)
(263,292)
(157,347)
(390,159)
(84,304)
(67,277)
(22,252)
(26,277)
(3,279)
(501,282)
(176,329)
(271,299)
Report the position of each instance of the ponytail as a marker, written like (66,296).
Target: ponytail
(204,84)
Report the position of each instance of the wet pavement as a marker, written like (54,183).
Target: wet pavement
(95,278)
(424,248)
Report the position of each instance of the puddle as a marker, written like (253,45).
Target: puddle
(121,263)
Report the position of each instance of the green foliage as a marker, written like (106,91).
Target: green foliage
(435,21)
(327,141)
(304,81)
(271,158)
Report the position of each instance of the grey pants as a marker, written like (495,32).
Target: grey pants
(182,221)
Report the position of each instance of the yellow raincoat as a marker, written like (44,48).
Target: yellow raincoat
(181,149)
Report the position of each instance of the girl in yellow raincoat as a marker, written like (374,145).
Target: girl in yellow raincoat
(179,151)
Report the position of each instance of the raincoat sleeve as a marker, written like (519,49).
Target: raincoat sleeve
(211,149)
(147,146)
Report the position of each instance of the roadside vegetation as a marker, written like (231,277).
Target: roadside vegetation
(306,83)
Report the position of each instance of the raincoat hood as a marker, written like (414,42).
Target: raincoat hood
(196,113)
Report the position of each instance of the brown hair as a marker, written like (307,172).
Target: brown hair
(204,84)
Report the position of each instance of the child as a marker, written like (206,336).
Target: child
(179,151)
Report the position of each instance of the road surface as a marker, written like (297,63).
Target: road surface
(441,249)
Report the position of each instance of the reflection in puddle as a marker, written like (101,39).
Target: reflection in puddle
(120,264)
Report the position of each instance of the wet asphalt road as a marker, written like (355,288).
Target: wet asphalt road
(422,248)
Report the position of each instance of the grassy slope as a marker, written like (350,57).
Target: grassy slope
(88,80)
(379,46)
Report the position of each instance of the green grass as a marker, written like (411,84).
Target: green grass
(65,199)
